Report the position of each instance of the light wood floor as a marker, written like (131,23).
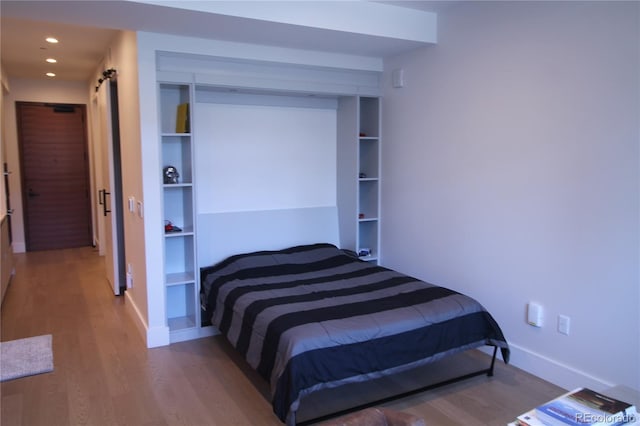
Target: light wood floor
(104,375)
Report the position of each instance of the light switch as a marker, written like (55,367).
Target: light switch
(564,324)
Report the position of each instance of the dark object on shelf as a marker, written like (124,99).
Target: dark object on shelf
(170,175)
(170,227)
(363,135)
(361,216)
(362,175)
(364,252)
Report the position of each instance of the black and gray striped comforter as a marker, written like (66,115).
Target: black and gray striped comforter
(312,317)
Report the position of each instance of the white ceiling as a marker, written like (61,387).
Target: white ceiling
(24,49)
(25,25)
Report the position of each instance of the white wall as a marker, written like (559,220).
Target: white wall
(511,173)
(30,91)
(122,56)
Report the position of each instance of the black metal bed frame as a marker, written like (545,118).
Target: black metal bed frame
(488,371)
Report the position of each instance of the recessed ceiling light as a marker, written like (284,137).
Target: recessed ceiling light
(52,39)
(50,74)
(51,60)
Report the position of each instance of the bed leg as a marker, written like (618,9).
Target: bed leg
(493,362)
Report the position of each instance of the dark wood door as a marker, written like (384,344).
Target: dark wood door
(55,175)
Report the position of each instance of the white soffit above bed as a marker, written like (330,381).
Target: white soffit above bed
(354,27)
(358,17)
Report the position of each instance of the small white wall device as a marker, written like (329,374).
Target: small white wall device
(534,314)
(397,78)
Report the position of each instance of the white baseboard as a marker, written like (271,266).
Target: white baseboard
(551,370)
(158,336)
(138,320)
(154,336)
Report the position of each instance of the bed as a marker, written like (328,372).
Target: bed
(312,317)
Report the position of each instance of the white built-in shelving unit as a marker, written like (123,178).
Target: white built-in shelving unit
(369,178)
(359,144)
(180,269)
(358,177)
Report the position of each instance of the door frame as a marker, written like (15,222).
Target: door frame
(117,209)
(109,207)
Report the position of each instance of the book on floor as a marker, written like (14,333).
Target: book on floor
(585,407)
(529,419)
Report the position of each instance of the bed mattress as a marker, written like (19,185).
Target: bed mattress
(313,317)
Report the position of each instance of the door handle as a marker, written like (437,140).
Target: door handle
(105,210)
(32,194)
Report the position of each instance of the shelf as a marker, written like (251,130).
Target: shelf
(368,193)
(178,206)
(172,95)
(176,152)
(179,257)
(370,258)
(181,306)
(369,158)
(169,134)
(367,219)
(186,231)
(177,185)
(368,235)
(181,323)
(370,117)
(179,278)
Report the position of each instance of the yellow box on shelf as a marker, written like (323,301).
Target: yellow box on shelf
(182,119)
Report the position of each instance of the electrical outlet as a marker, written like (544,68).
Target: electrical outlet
(564,324)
